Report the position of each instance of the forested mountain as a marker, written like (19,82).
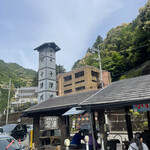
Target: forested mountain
(125,47)
(18,75)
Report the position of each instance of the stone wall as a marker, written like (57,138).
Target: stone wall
(13,119)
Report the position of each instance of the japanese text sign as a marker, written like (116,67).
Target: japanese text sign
(141,107)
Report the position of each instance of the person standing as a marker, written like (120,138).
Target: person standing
(76,139)
(138,143)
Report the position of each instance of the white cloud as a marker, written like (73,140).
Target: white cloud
(72,24)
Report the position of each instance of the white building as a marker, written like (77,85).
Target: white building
(26,94)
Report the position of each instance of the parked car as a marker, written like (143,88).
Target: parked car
(16,130)
(29,127)
(1,130)
(9,143)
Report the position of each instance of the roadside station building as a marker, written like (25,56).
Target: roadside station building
(118,96)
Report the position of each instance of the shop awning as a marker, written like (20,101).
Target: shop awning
(74,111)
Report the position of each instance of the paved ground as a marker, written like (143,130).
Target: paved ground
(26,142)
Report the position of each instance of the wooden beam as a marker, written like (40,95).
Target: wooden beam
(36,130)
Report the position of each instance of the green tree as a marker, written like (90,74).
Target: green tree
(76,64)
(35,80)
(99,40)
(60,69)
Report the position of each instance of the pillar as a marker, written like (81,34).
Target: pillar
(91,123)
(68,126)
(63,128)
(129,125)
(101,118)
(36,130)
(94,125)
(148,119)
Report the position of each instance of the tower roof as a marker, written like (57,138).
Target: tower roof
(51,44)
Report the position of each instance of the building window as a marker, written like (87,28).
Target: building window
(80,88)
(95,74)
(42,73)
(67,78)
(41,85)
(67,91)
(79,81)
(51,73)
(41,98)
(51,85)
(51,96)
(79,74)
(41,59)
(67,85)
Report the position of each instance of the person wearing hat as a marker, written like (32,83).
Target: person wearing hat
(138,143)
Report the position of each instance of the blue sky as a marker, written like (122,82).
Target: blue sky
(72,24)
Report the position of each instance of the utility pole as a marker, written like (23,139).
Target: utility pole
(100,67)
(102,85)
(8,102)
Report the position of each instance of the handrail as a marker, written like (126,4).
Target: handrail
(120,137)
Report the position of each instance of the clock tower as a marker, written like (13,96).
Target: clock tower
(47,71)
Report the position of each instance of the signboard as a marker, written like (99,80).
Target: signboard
(141,107)
(51,123)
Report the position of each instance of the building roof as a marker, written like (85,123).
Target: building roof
(122,93)
(51,44)
(60,103)
(118,94)
(80,68)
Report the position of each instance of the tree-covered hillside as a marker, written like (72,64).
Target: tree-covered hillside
(18,75)
(125,47)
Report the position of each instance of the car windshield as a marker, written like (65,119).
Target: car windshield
(8,143)
(8,128)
